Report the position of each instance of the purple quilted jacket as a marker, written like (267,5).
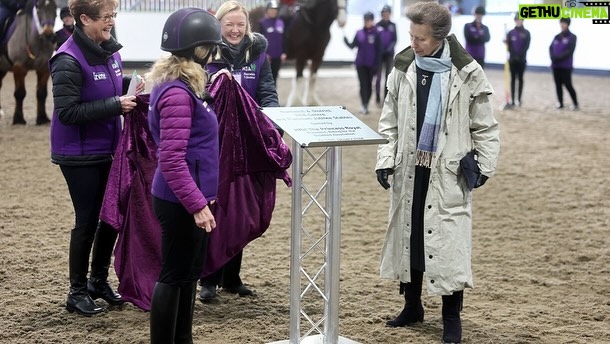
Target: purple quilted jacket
(185,129)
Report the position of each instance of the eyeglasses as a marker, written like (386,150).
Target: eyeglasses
(107,18)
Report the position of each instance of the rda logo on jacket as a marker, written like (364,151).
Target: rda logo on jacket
(250,68)
(99,76)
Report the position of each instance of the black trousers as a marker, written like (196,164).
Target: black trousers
(86,185)
(563,77)
(275,63)
(365,77)
(183,244)
(516,75)
(228,275)
(387,63)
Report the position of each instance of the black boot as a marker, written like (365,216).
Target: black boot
(184,321)
(413,310)
(452,324)
(78,300)
(231,282)
(163,313)
(208,292)
(100,289)
(98,286)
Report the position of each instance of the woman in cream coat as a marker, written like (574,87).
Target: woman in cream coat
(437,110)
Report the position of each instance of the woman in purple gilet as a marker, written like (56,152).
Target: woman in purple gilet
(518,41)
(185,183)
(368,58)
(243,56)
(272,27)
(88,88)
(562,54)
(476,35)
(387,32)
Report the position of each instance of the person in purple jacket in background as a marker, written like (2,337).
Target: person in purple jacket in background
(518,41)
(61,36)
(272,27)
(387,32)
(185,183)
(476,35)
(368,57)
(562,57)
(88,100)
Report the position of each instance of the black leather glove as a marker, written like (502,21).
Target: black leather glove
(480,181)
(382,177)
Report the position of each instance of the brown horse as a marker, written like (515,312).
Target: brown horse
(29,45)
(305,39)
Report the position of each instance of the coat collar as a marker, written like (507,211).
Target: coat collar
(459,57)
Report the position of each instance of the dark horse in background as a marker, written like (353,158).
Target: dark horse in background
(306,36)
(28,46)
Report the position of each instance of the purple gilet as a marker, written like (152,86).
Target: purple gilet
(369,47)
(185,129)
(247,76)
(562,50)
(518,43)
(98,82)
(476,37)
(273,30)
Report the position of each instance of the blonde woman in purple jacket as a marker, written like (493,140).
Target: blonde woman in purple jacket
(185,183)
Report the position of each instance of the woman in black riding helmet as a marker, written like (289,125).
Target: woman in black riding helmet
(184,187)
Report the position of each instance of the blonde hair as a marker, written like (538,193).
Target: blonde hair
(230,6)
(175,67)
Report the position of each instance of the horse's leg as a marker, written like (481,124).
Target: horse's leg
(312,96)
(298,85)
(2,75)
(19,73)
(41,96)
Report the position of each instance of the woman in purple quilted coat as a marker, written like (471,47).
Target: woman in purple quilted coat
(184,188)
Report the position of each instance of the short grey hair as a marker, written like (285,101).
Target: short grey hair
(433,14)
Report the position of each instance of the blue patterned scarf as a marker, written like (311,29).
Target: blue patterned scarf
(428,137)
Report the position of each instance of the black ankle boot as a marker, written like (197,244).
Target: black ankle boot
(452,324)
(100,289)
(413,310)
(409,315)
(207,293)
(103,246)
(81,303)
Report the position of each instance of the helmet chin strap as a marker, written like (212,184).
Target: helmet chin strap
(207,57)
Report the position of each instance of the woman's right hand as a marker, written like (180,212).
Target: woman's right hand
(204,219)
(128,103)
(221,72)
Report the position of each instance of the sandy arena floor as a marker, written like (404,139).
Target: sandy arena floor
(541,243)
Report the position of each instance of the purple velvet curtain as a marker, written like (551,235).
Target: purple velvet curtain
(252,156)
(128,208)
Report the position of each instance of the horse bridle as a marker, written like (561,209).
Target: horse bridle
(39,27)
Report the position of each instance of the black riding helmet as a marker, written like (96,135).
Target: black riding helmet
(64,12)
(188,28)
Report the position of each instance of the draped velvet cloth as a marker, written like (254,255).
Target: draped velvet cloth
(252,156)
(127,207)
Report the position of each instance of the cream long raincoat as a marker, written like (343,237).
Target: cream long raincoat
(468,122)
